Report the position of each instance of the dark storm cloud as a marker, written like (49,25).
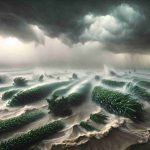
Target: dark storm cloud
(65,19)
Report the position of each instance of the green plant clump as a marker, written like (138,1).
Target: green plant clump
(98,118)
(113,83)
(117,103)
(20,81)
(16,122)
(87,127)
(41,78)
(8,94)
(34,94)
(60,105)
(26,140)
(144,84)
(139,92)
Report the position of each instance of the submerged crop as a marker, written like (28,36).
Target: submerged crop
(144,84)
(61,105)
(98,118)
(139,92)
(16,122)
(9,94)
(87,127)
(113,83)
(26,140)
(117,103)
(34,94)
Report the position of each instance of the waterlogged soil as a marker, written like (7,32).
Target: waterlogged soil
(118,133)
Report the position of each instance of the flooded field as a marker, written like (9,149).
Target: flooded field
(60,109)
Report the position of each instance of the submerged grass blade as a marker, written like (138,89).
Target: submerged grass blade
(34,94)
(16,122)
(26,140)
(87,127)
(117,103)
(113,83)
(139,92)
(98,118)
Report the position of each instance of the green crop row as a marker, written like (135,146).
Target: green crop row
(34,94)
(8,94)
(139,92)
(113,83)
(26,140)
(117,103)
(16,122)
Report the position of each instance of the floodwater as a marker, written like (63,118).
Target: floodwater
(118,133)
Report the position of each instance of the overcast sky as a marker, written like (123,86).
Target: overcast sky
(87,33)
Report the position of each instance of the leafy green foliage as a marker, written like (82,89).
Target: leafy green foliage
(113,83)
(60,105)
(16,122)
(20,81)
(139,92)
(34,94)
(87,127)
(117,103)
(26,140)
(98,118)
(8,94)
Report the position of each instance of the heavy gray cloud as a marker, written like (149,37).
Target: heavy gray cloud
(121,26)
(122,29)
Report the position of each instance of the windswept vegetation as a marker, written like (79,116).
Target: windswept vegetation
(87,127)
(113,83)
(34,94)
(8,94)
(139,92)
(59,106)
(117,103)
(145,84)
(20,81)
(16,122)
(66,102)
(26,140)
(98,118)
